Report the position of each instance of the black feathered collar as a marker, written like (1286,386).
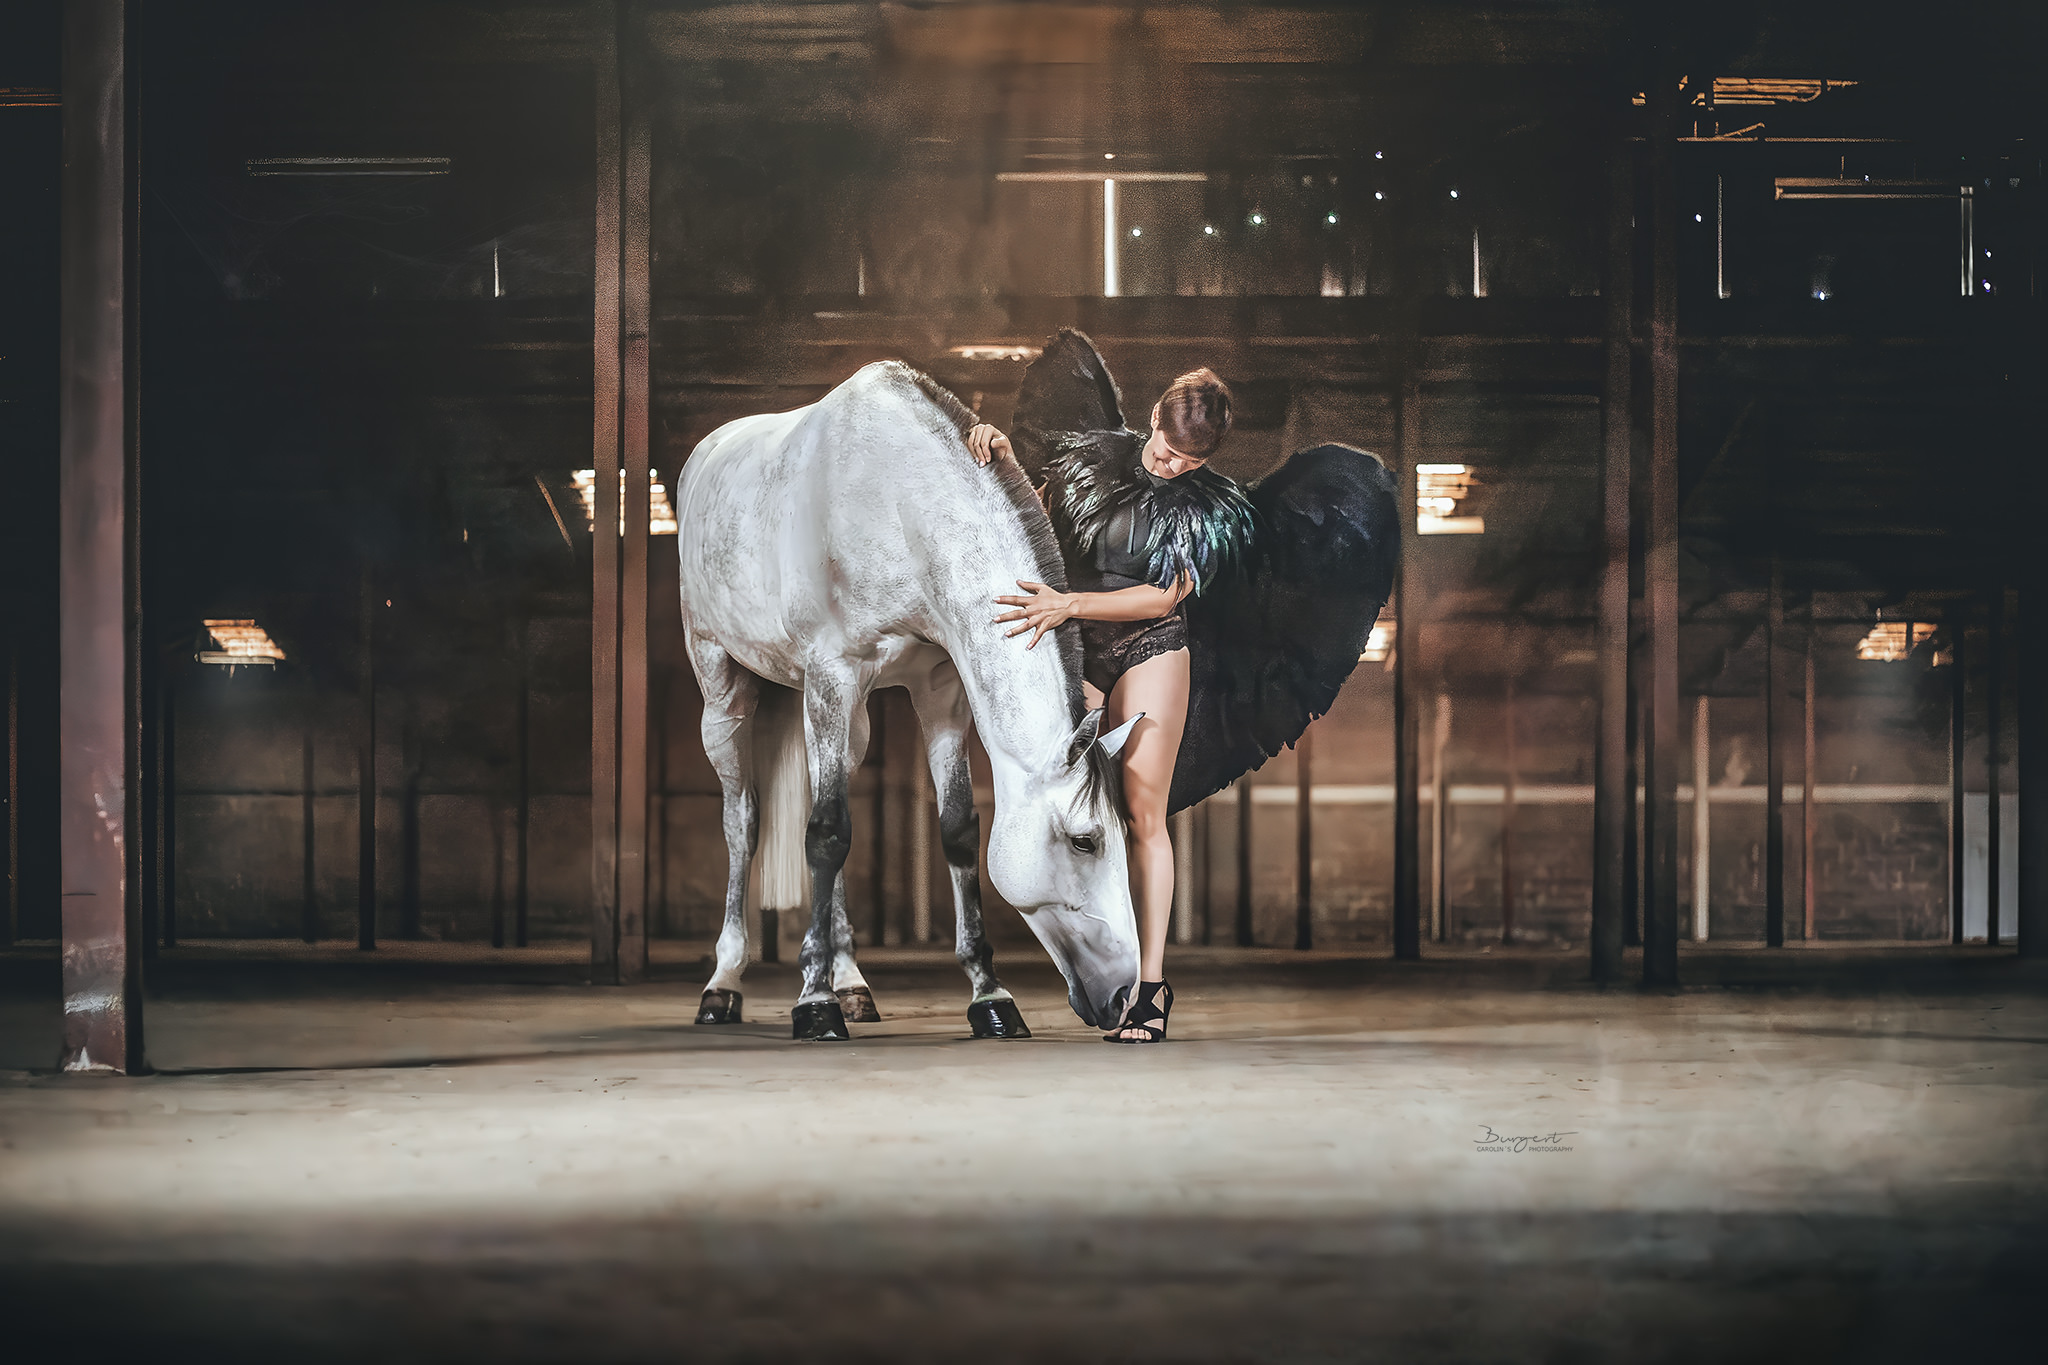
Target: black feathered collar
(1202,523)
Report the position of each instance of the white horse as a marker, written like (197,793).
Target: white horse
(855,544)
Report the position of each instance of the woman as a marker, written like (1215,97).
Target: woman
(1142,523)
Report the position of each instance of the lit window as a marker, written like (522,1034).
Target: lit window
(241,642)
(1439,488)
(661,514)
(1380,643)
(1891,641)
(994,351)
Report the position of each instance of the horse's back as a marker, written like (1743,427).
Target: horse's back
(795,527)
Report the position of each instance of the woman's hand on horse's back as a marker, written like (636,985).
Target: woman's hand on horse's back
(985,443)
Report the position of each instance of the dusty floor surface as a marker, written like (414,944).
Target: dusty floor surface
(456,1154)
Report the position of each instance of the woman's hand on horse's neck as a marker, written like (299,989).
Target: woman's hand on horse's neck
(1047,608)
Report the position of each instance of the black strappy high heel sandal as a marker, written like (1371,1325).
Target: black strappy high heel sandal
(1147,1014)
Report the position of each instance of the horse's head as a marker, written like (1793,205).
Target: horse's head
(1057,852)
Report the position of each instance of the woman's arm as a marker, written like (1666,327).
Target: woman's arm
(1047,607)
(985,443)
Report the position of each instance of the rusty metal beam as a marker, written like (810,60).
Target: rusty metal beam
(1613,780)
(1660,567)
(604,539)
(99,724)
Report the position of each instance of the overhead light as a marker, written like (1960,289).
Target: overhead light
(1792,187)
(661,514)
(241,642)
(1764,90)
(1209,230)
(1109,156)
(1439,488)
(1379,194)
(1137,232)
(994,351)
(1890,641)
(1257,219)
(1329,217)
(348,165)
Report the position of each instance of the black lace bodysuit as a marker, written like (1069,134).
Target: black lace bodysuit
(1120,525)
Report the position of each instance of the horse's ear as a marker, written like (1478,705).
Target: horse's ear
(1113,742)
(1084,735)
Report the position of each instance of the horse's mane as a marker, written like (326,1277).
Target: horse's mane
(1031,519)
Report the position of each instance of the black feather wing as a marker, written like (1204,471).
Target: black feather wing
(1066,390)
(1269,648)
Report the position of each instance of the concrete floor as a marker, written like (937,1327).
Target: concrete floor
(443,1153)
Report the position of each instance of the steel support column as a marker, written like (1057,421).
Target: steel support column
(636,311)
(604,538)
(1613,776)
(366,764)
(1774,765)
(1958,734)
(1304,841)
(98,586)
(309,906)
(1809,805)
(1407,729)
(1994,739)
(1507,813)
(1440,820)
(2032,911)
(1660,566)
(1244,861)
(1702,818)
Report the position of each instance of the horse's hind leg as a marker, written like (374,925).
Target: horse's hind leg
(941,704)
(849,987)
(730,695)
(835,733)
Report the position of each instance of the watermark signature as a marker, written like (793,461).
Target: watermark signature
(1491,1141)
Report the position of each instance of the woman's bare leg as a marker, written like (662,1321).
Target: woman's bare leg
(1159,688)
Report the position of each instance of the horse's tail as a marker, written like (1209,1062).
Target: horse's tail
(782,786)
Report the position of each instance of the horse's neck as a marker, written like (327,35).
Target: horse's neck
(1020,697)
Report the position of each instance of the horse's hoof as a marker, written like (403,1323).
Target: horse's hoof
(720,1007)
(818,1022)
(858,1005)
(996,1019)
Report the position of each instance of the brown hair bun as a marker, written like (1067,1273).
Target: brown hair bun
(1194,412)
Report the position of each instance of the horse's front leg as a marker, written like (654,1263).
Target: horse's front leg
(942,711)
(731,694)
(835,734)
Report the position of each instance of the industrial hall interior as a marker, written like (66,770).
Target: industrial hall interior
(530,837)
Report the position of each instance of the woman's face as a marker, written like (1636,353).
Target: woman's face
(1161,458)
